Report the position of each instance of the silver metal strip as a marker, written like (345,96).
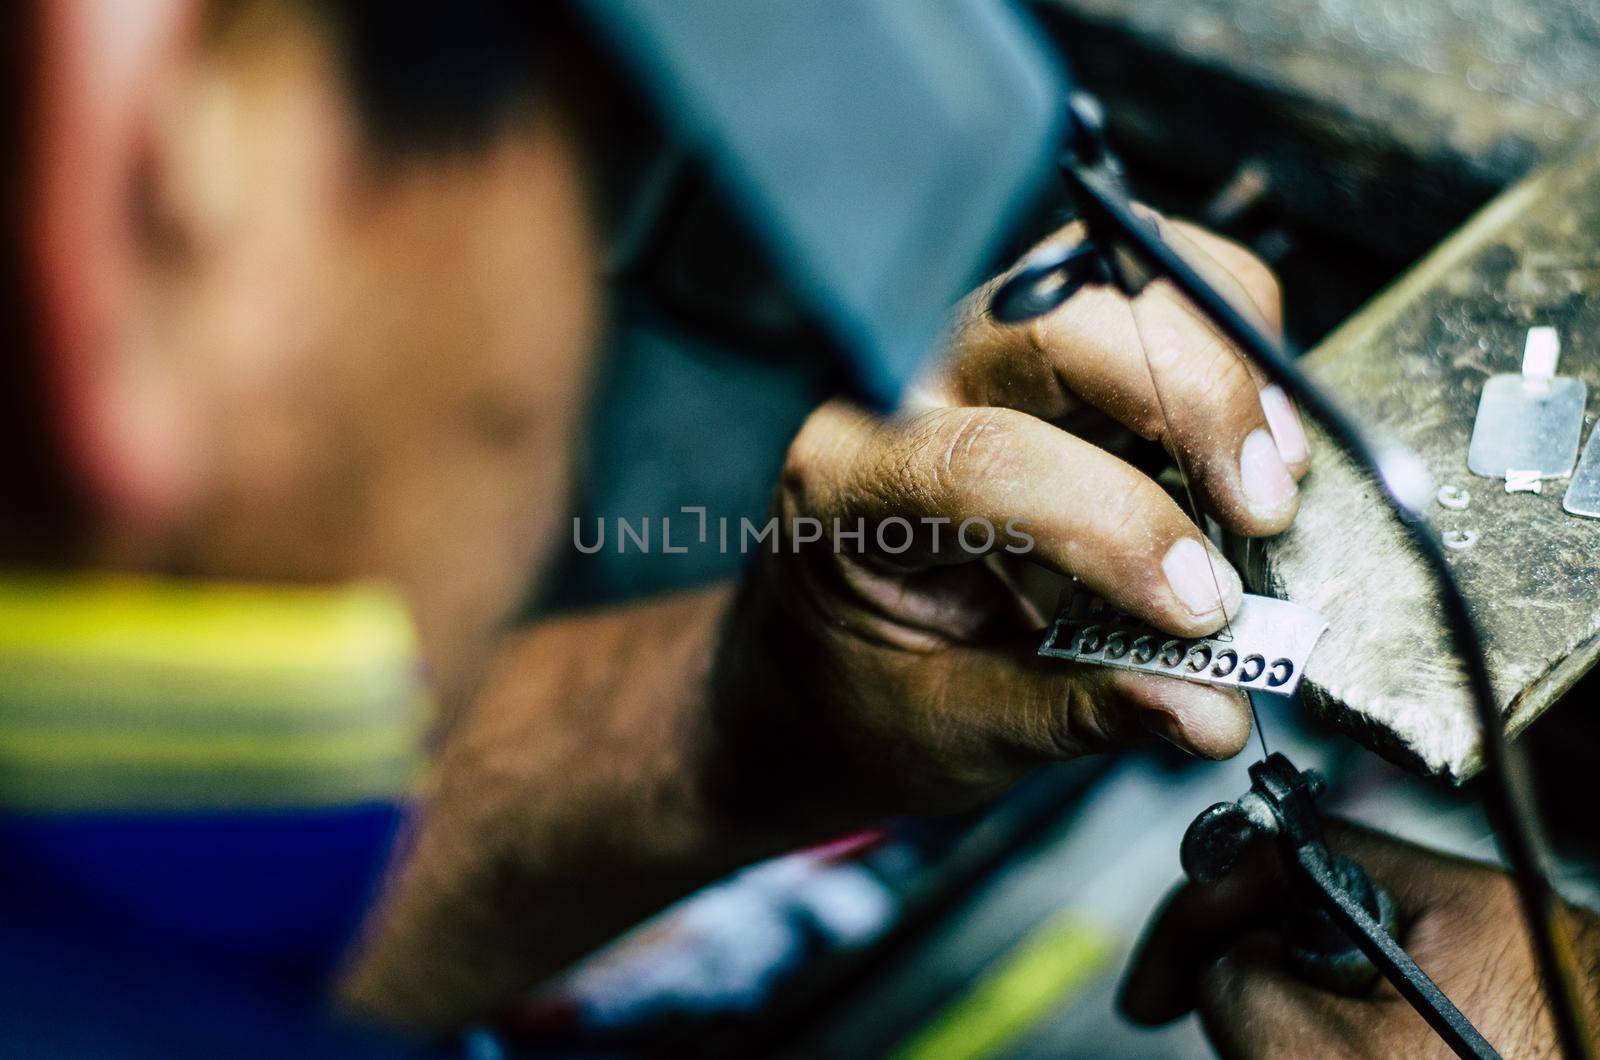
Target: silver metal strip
(1583,492)
(1267,650)
(1529,425)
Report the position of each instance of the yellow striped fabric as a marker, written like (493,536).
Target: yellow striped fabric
(120,692)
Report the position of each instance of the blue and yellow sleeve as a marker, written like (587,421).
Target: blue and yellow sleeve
(218,769)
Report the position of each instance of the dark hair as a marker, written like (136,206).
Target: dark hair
(431,74)
(428,76)
(425,76)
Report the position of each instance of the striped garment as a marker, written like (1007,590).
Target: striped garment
(201,776)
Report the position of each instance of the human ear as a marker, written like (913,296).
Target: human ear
(99,69)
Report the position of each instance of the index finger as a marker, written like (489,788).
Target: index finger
(1088,514)
(1157,366)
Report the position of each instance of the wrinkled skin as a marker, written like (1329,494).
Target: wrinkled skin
(1215,949)
(919,662)
(300,357)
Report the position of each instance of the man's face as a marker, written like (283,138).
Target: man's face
(366,368)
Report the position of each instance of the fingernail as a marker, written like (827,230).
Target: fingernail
(1287,430)
(1195,571)
(1268,487)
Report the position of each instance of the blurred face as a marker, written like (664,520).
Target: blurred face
(349,367)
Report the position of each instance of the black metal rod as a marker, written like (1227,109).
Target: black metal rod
(1514,825)
(1431,1003)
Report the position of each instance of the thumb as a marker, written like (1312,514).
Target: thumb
(1197,924)
(1251,1005)
(1064,710)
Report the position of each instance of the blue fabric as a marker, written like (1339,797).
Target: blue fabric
(184,934)
(200,786)
(82,990)
(279,891)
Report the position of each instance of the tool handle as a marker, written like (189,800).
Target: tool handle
(1320,950)
(1412,982)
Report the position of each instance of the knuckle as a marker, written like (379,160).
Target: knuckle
(1038,338)
(815,449)
(1070,728)
(1217,378)
(802,449)
(1129,514)
(1103,721)
(904,465)
(802,457)
(969,448)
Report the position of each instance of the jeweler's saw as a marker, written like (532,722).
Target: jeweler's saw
(1337,929)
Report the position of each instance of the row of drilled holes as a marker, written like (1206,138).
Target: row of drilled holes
(1146,649)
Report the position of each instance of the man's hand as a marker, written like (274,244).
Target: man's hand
(1215,948)
(907,665)
(612,761)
